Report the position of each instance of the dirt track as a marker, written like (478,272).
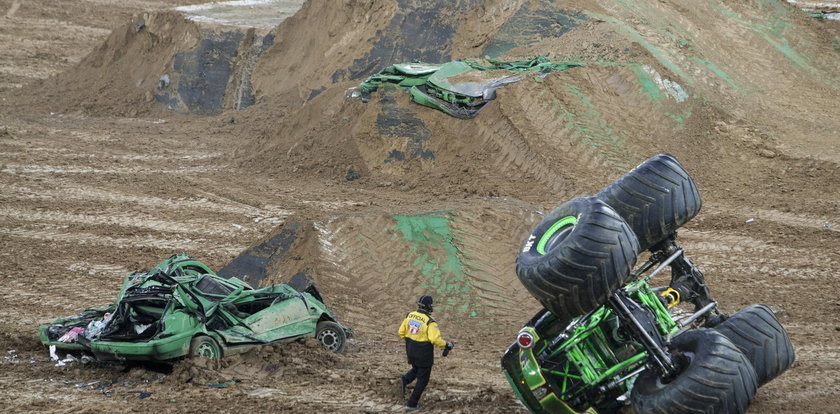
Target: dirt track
(98,179)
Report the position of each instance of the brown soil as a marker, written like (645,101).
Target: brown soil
(98,179)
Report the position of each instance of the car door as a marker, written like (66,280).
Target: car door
(287,317)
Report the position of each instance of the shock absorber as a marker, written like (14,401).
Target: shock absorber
(687,282)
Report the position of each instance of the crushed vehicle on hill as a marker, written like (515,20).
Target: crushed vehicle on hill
(182,308)
(460,88)
(606,337)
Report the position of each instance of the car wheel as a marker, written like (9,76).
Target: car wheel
(205,347)
(655,198)
(331,336)
(577,256)
(759,335)
(715,378)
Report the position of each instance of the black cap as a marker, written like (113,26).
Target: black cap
(425,302)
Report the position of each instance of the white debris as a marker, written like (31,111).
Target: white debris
(670,87)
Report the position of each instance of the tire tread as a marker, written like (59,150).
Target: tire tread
(757,333)
(722,382)
(655,198)
(582,272)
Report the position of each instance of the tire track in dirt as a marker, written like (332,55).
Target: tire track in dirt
(362,255)
(487,241)
(19,169)
(65,153)
(392,260)
(172,243)
(557,130)
(590,128)
(570,127)
(134,220)
(269,215)
(513,156)
(742,270)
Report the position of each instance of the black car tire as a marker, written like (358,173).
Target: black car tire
(759,335)
(716,378)
(203,346)
(577,256)
(655,198)
(331,336)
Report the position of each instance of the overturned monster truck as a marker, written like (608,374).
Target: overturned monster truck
(182,308)
(606,338)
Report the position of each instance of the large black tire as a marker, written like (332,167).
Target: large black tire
(655,198)
(203,346)
(577,256)
(759,335)
(331,336)
(717,379)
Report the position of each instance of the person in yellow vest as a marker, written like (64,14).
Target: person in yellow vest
(421,335)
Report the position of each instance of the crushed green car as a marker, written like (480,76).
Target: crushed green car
(182,308)
(460,88)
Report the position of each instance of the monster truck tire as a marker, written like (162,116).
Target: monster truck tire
(759,335)
(716,378)
(655,198)
(331,336)
(577,256)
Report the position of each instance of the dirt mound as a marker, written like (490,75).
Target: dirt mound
(646,88)
(377,263)
(123,73)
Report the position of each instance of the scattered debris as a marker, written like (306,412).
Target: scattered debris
(352,93)
(71,335)
(223,384)
(140,26)
(265,392)
(164,81)
(95,326)
(67,360)
(351,175)
(670,87)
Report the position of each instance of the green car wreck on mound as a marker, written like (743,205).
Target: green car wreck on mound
(181,307)
(460,88)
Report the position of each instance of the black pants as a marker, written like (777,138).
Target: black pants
(421,374)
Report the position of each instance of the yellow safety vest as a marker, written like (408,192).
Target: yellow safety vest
(420,327)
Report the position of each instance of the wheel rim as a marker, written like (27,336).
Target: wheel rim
(683,360)
(206,350)
(556,233)
(329,339)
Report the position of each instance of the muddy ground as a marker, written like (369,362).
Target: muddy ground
(99,178)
